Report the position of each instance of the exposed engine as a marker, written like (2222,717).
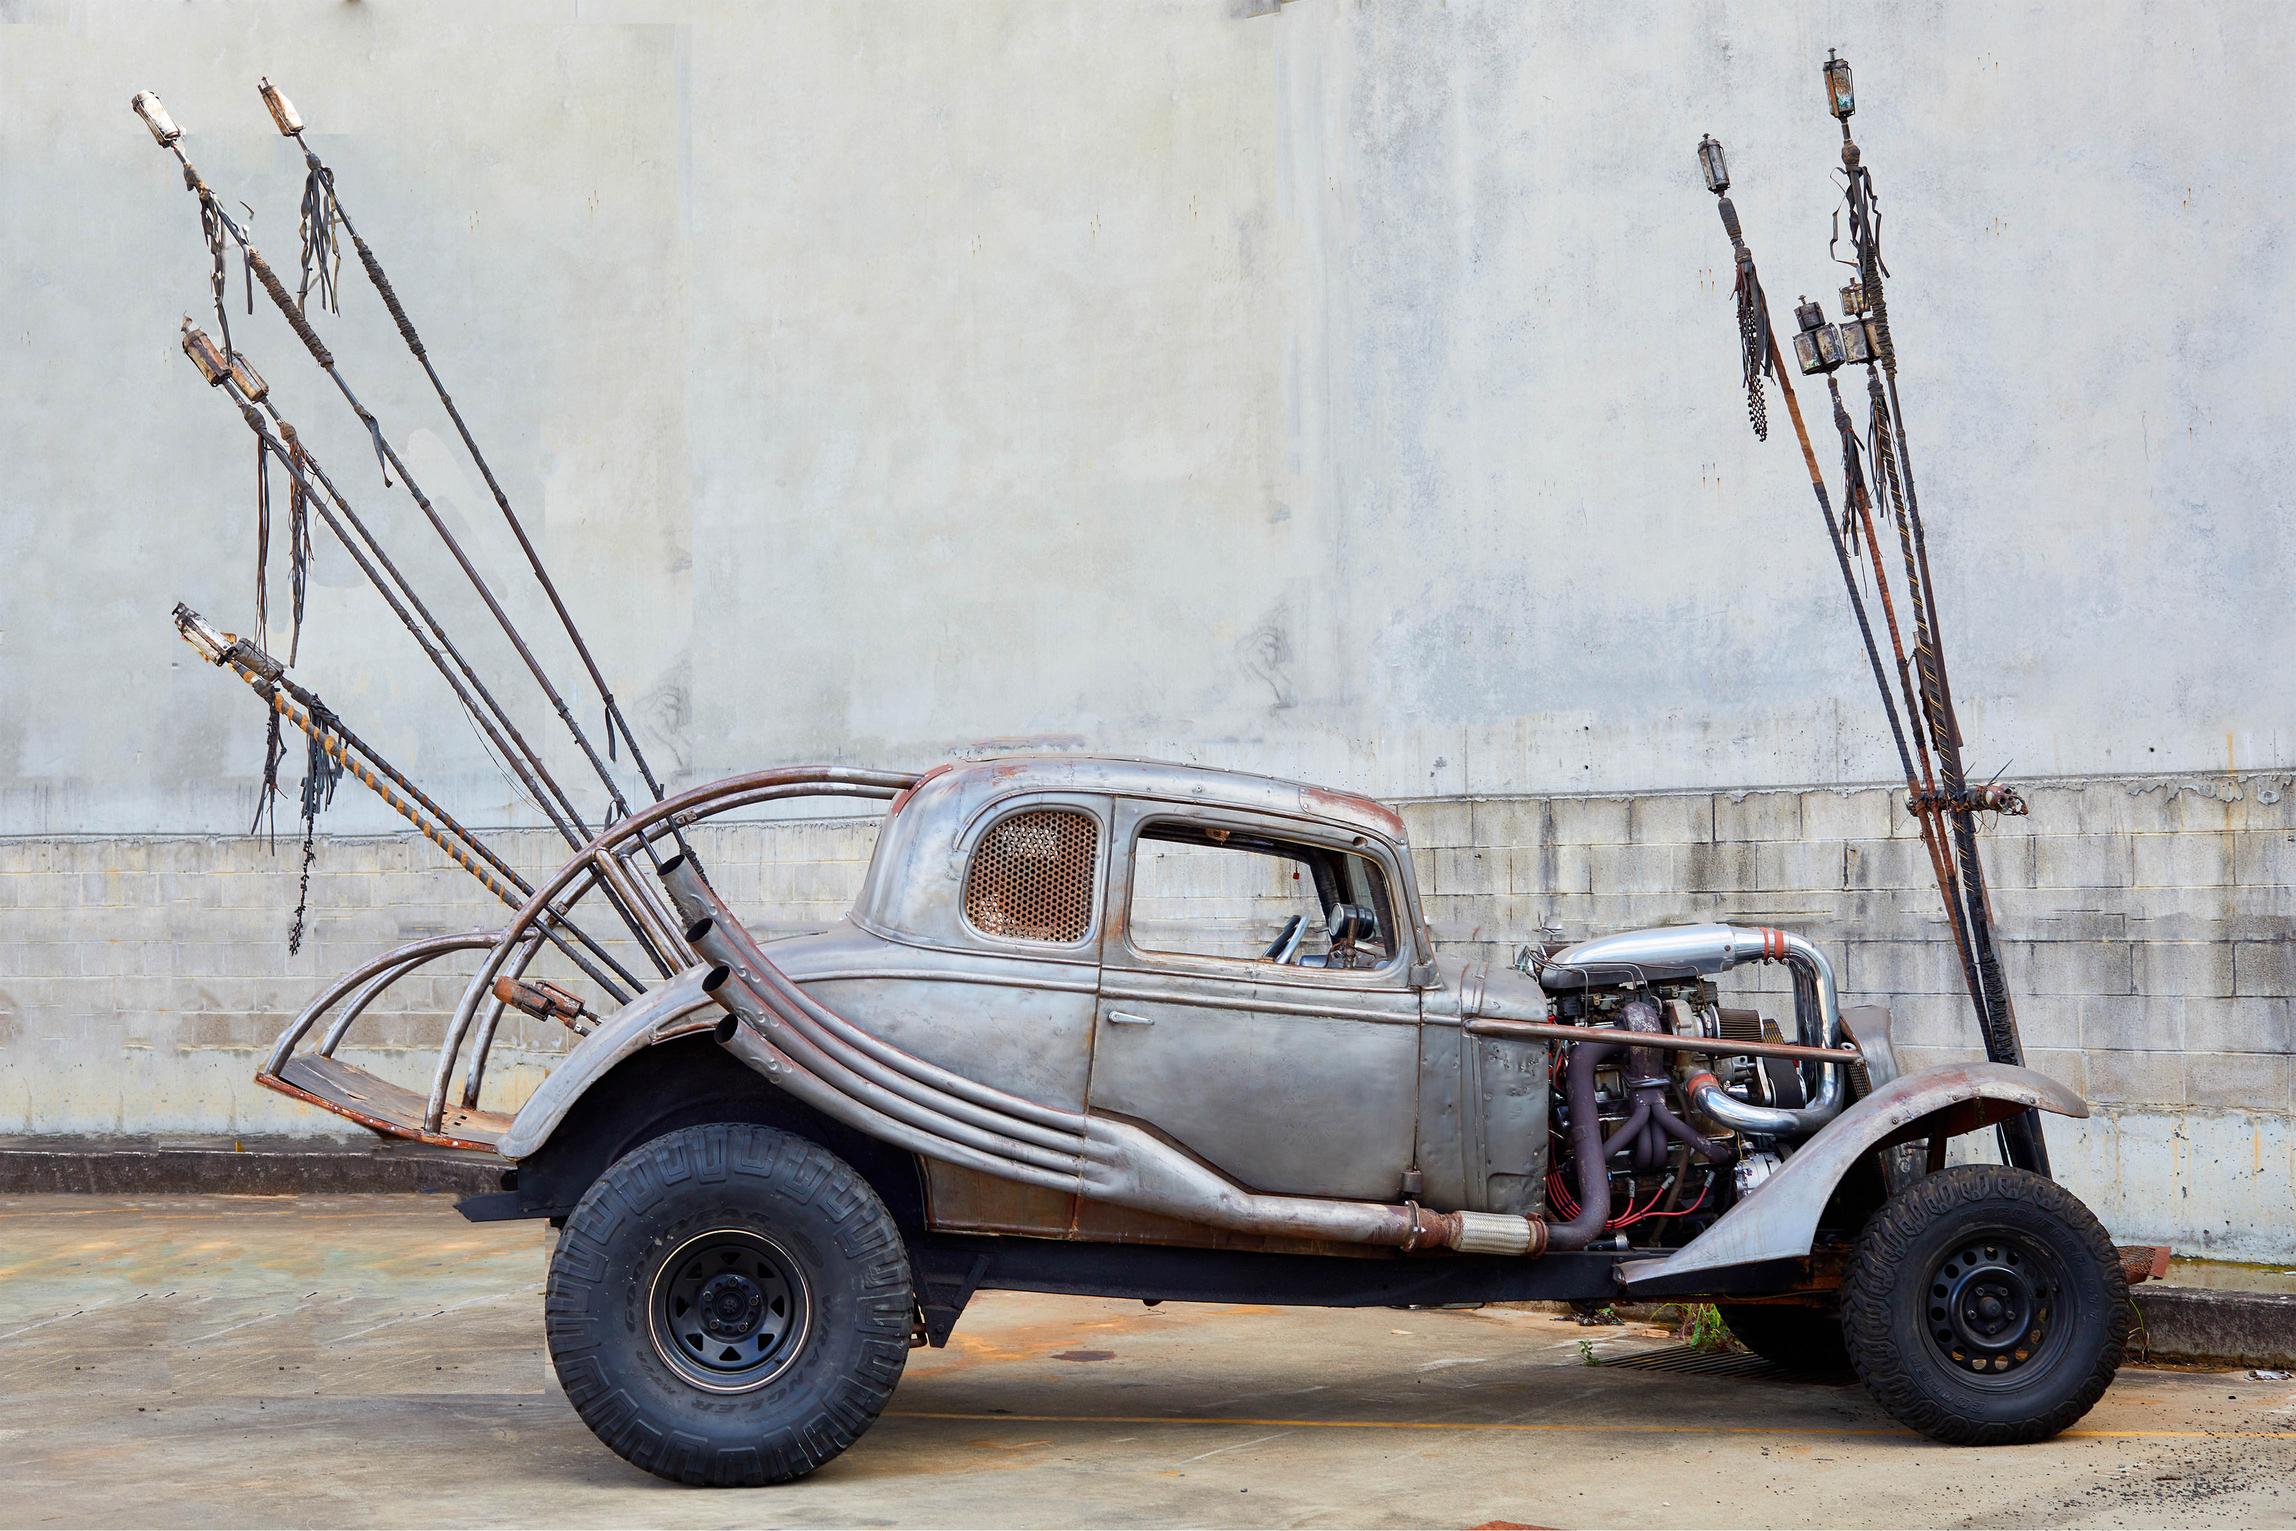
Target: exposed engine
(1652,1140)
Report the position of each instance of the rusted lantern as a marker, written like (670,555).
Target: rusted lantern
(1859,343)
(1713,166)
(1857,339)
(213,365)
(1841,94)
(250,382)
(1819,346)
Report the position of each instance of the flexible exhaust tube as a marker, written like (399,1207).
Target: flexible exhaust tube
(1586,1148)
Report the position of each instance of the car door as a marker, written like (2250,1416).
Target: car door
(1009,1001)
(1296,1077)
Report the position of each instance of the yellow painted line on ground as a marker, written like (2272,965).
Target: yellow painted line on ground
(1508,1426)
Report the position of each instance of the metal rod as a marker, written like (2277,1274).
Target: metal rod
(299,707)
(2022,1143)
(268,280)
(1966,908)
(302,461)
(397,960)
(1922,788)
(373,562)
(681,810)
(1546,1031)
(390,297)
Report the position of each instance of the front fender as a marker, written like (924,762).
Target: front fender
(673,1010)
(1780,1220)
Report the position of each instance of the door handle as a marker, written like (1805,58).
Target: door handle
(1127,1018)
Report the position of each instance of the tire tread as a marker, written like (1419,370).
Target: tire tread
(1882,1255)
(579,1310)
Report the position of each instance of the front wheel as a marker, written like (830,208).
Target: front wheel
(729,1305)
(1985,1306)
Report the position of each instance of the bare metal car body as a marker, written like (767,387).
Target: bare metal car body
(1188,1124)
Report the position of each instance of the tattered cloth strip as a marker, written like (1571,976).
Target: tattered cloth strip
(213,225)
(262,541)
(321,771)
(267,793)
(298,537)
(322,253)
(1753,346)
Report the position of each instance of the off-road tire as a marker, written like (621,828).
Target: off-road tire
(1912,1317)
(818,1247)
(1804,1340)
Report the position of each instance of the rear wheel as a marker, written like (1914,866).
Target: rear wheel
(729,1304)
(1985,1306)
(1807,1340)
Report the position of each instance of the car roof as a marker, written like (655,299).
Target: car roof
(978,781)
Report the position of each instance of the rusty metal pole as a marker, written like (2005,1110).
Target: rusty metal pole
(1762,358)
(2022,1144)
(215,218)
(312,717)
(246,389)
(290,125)
(1964,901)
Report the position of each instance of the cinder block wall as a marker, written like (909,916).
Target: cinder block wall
(2148,924)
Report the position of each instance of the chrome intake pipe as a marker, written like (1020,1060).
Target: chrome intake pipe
(1713,949)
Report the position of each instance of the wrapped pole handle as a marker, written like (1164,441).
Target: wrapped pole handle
(286,306)
(390,298)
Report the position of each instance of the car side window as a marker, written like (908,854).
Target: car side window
(1032,876)
(1204,891)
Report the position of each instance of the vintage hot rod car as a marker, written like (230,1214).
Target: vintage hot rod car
(1151,1031)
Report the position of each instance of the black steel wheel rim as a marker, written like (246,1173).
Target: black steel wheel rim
(1995,1308)
(728,1310)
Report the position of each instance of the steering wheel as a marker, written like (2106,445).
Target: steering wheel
(1286,945)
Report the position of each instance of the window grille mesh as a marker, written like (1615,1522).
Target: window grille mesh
(1032,876)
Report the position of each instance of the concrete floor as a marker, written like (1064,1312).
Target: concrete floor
(377,1361)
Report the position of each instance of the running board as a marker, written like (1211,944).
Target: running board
(381,1106)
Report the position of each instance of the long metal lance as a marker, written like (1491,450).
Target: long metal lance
(2021,1138)
(169,137)
(245,387)
(1921,791)
(290,125)
(305,712)
(1755,326)
(1763,357)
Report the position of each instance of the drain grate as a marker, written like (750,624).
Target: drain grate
(1683,1360)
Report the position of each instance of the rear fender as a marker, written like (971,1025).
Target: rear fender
(1780,1220)
(672,1010)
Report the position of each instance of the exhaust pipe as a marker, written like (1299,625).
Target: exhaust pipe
(851,1077)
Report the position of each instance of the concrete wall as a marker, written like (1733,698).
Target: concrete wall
(1342,391)
(1347,391)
